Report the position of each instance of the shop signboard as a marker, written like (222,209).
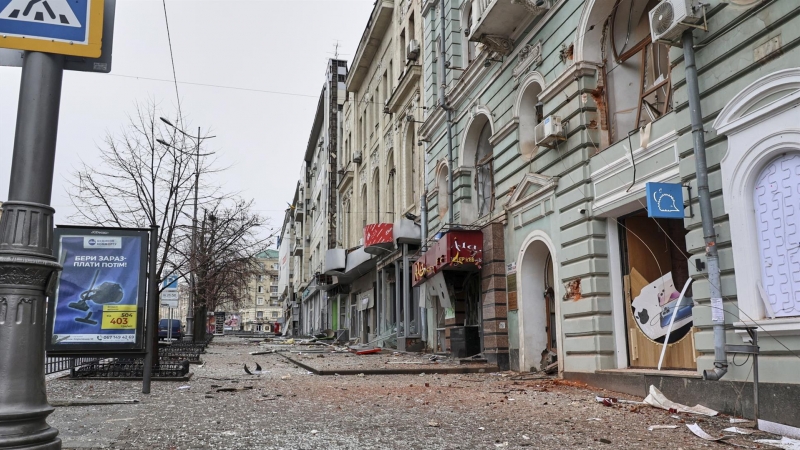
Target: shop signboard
(456,250)
(99,301)
(665,200)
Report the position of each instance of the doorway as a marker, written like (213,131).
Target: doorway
(655,268)
(538,308)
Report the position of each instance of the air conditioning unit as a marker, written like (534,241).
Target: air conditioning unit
(308,238)
(412,51)
(357,158)
(670,18)
(549,131)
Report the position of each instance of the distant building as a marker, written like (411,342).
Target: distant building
(261,310)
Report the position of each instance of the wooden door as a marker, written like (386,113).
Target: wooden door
(649,258)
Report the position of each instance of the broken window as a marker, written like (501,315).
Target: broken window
(483,172)
(636,70)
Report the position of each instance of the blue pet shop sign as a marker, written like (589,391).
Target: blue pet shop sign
(665,200)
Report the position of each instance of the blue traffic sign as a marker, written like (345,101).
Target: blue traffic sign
(665,200)
(171,282)
(68,27)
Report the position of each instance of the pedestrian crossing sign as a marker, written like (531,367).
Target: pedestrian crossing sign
(67,27)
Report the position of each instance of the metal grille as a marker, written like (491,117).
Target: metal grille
(130,368)
(60,364)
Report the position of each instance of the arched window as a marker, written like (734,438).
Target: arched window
(775,200)
(391,179)
(635,71)
(364,207)
(376,186)
(484,185)
(441,198)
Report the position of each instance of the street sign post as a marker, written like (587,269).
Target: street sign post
(102,64)
(64,27)
(47,30)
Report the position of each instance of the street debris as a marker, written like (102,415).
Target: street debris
(610,401)
(738,430)
(735,420)
(181,388)
(286,377)
(785,443)
(314,431)
(433,424)
(658,400)
(695,428)
(661,427)
(92,402)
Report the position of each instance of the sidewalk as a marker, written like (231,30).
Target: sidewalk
(287,408)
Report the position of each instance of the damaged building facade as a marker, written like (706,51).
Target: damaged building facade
(560,112)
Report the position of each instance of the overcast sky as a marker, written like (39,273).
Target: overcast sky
(272,45)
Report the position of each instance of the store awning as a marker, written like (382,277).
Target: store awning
(456,250)
(358,264)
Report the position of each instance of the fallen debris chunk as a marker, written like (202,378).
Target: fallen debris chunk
(735,420)
(785,443)
(595,418)
(262,353)
(661,427)
(180,388)
(286,377)
(739,430)
(314,431)
(231,389)
(695,428)
(608,401)
(604,440)
(92,402)
(433,423)
(657,399)
(501,444)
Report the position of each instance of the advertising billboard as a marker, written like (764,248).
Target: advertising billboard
(99,302)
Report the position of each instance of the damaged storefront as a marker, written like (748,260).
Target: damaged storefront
(449,274)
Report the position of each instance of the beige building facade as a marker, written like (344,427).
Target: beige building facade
(261,310)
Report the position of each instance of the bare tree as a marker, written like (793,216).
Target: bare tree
(145,175)
(229,239)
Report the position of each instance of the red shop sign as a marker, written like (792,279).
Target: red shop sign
(456,250)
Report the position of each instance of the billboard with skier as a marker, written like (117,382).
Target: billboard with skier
(99,301)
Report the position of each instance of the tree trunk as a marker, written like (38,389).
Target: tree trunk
(200,323)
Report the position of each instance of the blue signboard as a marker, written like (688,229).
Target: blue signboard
(68,27)
(171,282)
(99,302)
(665,200)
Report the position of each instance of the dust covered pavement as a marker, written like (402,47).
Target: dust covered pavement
(287,408)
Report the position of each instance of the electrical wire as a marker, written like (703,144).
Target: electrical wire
(172,59)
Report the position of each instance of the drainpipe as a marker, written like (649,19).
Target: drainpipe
(448,111)
(704,196)
(423,211)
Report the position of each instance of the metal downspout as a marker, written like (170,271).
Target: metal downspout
(704,196)
(449,113)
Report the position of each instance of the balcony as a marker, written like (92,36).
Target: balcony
(297,246)
(494,21)
(379,22)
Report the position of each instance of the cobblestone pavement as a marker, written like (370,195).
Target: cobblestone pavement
(288,408)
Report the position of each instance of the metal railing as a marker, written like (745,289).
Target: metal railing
(61,364)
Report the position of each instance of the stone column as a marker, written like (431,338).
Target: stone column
(493,294)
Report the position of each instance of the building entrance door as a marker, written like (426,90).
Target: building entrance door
(656,267)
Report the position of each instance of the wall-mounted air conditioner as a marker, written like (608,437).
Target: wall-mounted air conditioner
(412,50)
(549,131)
(670,18)
(357,157)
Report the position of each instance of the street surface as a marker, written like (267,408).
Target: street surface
(288,408)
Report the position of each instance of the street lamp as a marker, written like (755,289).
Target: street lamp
(197,140)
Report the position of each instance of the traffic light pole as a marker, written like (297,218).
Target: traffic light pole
(28,267)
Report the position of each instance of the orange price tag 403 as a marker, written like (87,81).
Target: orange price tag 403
(119,317)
